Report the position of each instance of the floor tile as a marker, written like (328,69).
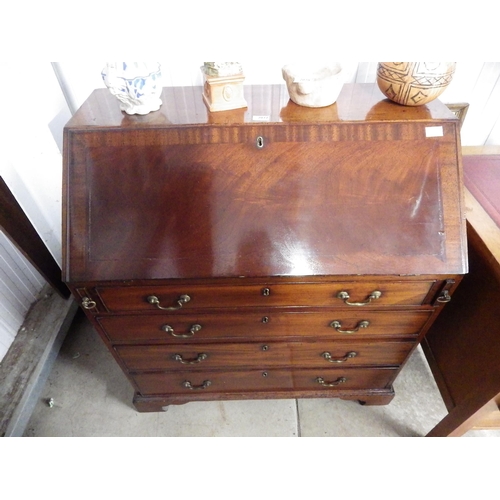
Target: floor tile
(257,418)
(415,409)
(92,397)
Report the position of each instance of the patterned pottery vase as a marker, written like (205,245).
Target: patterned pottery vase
(414,83)
(137,85)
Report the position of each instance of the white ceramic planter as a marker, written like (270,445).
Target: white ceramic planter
(137,85)
(312,85)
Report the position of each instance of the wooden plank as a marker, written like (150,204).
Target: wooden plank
(462,345)
(27,364)
(19,229)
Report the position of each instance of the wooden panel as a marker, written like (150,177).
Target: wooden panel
(489,416)
(260,324)
(482,179)
(464,338)
(241,209)
(342,197)
(268,380)
(263,355)
(462,346)
(310,295)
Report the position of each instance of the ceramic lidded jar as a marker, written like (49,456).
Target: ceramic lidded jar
(414,83)
(137,85)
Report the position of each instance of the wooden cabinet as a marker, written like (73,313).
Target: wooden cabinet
(277,251)
(463,345)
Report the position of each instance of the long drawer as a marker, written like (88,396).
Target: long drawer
(265,324)
(262,355)
(338,294)
(329,380)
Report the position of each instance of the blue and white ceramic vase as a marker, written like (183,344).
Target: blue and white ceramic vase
(137,85)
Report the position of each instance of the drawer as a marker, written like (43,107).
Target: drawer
(263,324)
(330,380)
(261,355)
(339,294)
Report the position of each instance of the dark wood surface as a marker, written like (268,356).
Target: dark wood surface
(481,176)
(363,196)
(263,323)
(18,228)
(463,345)
(266,104)
(405,293)
(263,355)
(266,380)
(213,204)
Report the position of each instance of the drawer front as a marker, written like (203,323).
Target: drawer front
(263,324)
(339,294)
(330,380)
(261,355)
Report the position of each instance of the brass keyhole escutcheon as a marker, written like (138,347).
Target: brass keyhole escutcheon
(266,292)
(260,142)
(265,319)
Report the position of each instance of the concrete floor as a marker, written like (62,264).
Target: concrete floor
(92,397)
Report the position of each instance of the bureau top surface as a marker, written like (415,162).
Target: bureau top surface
(266,104)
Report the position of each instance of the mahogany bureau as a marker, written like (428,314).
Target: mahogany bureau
(272,252)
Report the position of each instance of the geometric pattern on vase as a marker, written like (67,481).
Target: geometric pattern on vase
(414,83)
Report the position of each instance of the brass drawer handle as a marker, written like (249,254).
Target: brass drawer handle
(444,297)
(192,331)
(205,384)
(348,355)
(88,304)
(337,325)
(198,359)
(340,380)
(183,299)
(345,297)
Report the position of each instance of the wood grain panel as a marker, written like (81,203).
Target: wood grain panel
(308,295)
(264,380)
(260,324)
(263,355)
(357,180)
